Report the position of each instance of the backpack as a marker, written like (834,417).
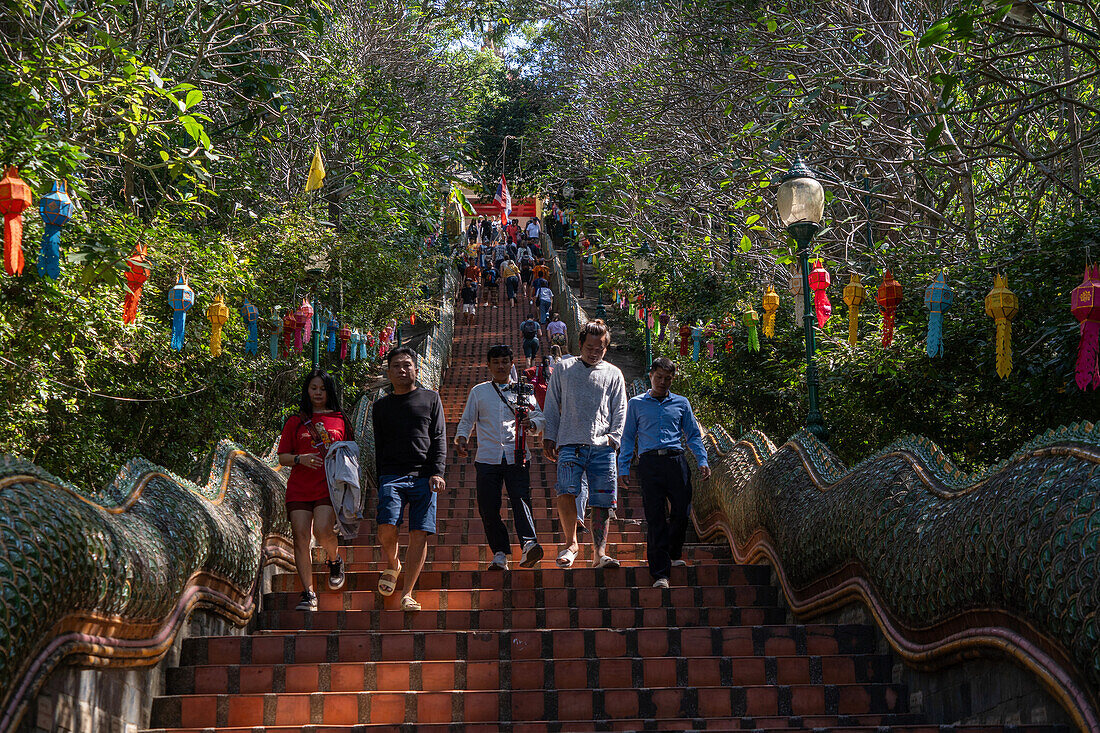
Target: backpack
(529,329)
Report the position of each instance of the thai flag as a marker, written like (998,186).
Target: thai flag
(504,199)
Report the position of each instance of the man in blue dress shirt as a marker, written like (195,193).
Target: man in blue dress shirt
(659,421)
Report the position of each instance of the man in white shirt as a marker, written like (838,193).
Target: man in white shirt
(533,228)
(502,456)
(585,414)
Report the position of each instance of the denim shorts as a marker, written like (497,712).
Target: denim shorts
(395,492)
(597,463)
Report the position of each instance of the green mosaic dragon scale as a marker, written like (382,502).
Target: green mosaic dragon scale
(109,576)
(1005,560)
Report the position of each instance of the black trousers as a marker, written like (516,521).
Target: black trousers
(666,487)
(518,480)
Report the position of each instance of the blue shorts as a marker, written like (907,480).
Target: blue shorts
(395,492)
(594,462)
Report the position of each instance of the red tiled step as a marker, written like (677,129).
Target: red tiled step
(367,557)
(273,647)
(614,673)
(585,705)
(520,618)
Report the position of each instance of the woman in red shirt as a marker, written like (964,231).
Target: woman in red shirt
(305,439)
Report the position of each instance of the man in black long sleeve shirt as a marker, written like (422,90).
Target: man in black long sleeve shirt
(410,453)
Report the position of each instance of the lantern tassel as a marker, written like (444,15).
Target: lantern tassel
(215,339)
(179,320)
(1088,355)
(853,325)
(1004,347)
(331,344)
(769,324)
(754,340)
(252,345)
(822,307)
(887,329)
(13,243)
(130,304)
(934,343)
(343,349)
(49,254)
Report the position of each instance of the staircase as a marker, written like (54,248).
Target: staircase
(543,649)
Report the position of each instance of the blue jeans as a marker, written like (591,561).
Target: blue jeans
(544,311)
(511,284)
(397,492)
(596,463)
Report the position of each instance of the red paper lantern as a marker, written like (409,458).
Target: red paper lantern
(1085,303)
(135,279)
(888,298)
(15,196)
(820,280)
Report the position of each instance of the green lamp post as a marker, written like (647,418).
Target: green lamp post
(801,204)
(643,263)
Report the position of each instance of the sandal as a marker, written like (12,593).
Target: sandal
(387,583)
(408,603)
(566,558)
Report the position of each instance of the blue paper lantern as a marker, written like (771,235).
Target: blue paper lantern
(56,209)
(938,298)
(181,298)
(251,316)
(333,329)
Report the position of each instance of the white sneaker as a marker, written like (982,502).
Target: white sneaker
(680,563)
(532,553)
(661,583)
(500,562)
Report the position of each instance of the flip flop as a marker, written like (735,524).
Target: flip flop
(387,583)
(408,603)
(566,558)
(607,562)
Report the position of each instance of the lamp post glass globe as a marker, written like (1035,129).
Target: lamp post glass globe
(801,199)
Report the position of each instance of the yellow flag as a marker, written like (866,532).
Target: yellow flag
(316,171)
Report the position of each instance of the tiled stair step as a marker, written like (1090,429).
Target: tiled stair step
(275,647)
(540,598)
(371,555)
(832,724)
(585,705)
(577,577)
(583,561)
(616,673)
(512,619)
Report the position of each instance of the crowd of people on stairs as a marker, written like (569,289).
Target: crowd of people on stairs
(576,405)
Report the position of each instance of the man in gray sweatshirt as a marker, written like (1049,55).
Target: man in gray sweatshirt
(585,414)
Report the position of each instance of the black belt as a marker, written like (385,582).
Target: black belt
(664,452)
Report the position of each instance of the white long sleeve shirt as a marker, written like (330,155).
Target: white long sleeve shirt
(495,423)
(585,405)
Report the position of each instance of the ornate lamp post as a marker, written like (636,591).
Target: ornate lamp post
(801,203)
(643,263)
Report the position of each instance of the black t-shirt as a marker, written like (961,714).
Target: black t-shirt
(469,295)
(410,434)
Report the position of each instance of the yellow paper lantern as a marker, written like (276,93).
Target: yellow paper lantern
(854,295)
(218,314)
(771,305)
(1002,305)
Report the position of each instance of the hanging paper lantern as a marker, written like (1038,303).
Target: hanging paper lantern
(322,327)
(1085,302)
(15,195)
(333,329)
(291,332)
(135,279)
(55,207)
(1002,305)
(685,340)
(345,337)
(356,343)
(276,333)
(819,282)
(251,316)
(771,305)
(304,314)
(372,345)
(662,321)
(218,315)
(412,319)
(854,295)
(696,339)
(710,332)
(364,343)
(181,298)
(938,297)
(751,321)
(888,297)
(795,285)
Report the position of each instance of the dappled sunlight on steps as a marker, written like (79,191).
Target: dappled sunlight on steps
(535,650)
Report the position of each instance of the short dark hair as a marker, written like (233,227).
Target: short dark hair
(400,351)
(496,352)
(663,362)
